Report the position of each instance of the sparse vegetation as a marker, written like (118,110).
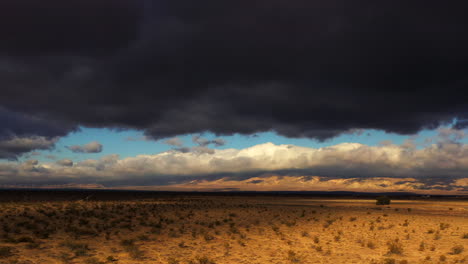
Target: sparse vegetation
(176,227)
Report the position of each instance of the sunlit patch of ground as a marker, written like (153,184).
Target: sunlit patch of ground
(223,229)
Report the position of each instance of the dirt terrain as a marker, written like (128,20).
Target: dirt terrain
(233,229)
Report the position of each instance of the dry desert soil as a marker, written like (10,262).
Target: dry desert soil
(232,229)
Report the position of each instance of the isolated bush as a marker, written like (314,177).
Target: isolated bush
(316,239)
(457,250)
(94,261)
(6,252)
(382,200)
(293,257)
(25,239)
(203,260)
(172,261)
(395,247)
(370,245)
(389,261)
(111,259)
(80,249)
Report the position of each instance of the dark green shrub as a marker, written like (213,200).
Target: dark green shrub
(382,200)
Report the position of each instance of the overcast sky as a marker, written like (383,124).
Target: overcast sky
(189,93)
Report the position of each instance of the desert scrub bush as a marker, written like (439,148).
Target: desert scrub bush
(202,260)
(132,249)
(406,223)
(318,248)
(457,250)
(111,259)
(65,257)
(241,243)
(172,261)
(382,200)
(276,229)
(422,246)
(316,239)
(363,243)
(389,261)
(395,247)
(94,261)
(79,249)
(293,257)
(143,238)
(6,252)
(465,236)
(370,245)
(443,226)
(442,258)
(25,239)
(208,237)
(33,245)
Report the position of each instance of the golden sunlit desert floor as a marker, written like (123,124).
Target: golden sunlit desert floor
(233,229)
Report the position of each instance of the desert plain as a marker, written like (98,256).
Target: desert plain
(230,229)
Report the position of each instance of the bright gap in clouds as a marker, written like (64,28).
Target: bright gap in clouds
(130,143)
(362,161)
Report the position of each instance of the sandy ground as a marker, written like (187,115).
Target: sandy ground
(204,230)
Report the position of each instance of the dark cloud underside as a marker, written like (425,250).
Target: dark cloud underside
(301,68)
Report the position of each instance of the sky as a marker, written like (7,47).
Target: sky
(234,95)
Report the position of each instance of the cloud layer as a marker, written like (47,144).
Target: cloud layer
(442,166)
(301,68)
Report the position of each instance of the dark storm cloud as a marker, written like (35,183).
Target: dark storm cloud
(25,125)
(301,68)
(21,133)
(81,27)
